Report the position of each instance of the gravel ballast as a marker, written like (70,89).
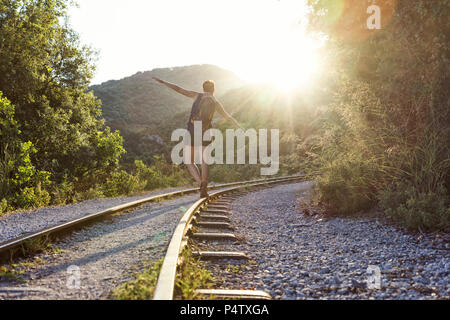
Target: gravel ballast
(103,255)
(295,256)
(16,224)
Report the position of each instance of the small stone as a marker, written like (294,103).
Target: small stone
(358,285)
(324,270)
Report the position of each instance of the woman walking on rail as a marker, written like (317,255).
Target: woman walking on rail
(203,108)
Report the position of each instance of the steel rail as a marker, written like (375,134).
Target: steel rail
(7,248)
(167,275)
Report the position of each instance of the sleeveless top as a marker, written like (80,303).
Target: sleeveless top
(201,112)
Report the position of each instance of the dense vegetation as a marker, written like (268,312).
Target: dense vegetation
(374,126)
(54,145)
(146,114)
(386,137)
(143,110)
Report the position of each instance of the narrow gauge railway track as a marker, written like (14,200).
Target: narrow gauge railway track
(17,246)
(208,213)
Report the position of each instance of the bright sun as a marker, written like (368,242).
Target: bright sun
(281,54)
(287,64)
(259,40)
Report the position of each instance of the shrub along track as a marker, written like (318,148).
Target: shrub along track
(97,253)
(292,255)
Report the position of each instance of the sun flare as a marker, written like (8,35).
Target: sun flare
(281,54)
(287,64)
(259,40)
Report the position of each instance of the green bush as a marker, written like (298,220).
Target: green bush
(417,196)
(22,185)
(91,193)
(232,173)
(145,178)
(173,174)
(122,183)
(344,186)
(178,178)
(385,136)
(415,209)
(32,198)
(3,206)
(150,176)
(63,193)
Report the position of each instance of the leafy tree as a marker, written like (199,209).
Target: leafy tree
(45,73)
(21,184)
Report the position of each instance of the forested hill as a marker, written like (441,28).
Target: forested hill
(146,112)
(140,101)
(138,106)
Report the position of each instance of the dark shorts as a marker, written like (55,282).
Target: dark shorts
(191,132)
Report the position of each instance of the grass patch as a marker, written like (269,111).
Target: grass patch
(234,268)
(32,247)
(57,250)
(11,274)
(191,276)
(15,271)
(142,288)
(37,245)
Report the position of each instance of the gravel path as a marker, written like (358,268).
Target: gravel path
(294,256)
(19,223)
(104,255)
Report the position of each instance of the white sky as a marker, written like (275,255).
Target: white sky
(244,36)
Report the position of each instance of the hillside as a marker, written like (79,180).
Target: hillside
(139,100)
(138,106)
(146,112)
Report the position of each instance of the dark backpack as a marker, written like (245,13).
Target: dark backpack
(204,114)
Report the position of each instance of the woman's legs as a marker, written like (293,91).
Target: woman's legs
(200,178)
(205,169)
(190,164)
(204,184)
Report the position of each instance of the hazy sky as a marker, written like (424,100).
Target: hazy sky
(244,36)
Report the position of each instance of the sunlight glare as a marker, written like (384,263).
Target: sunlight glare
(285,56)
(258,40)
(286,64)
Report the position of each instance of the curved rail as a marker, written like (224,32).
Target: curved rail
(7,248)
(166,280)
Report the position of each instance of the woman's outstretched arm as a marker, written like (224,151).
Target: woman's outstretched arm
(187,93)
(226,115)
